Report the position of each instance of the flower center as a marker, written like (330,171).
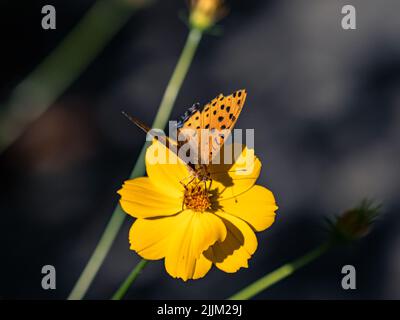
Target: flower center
(196,197)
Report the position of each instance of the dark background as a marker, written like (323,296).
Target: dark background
(325,105)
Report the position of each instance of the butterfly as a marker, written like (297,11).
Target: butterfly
(217,117)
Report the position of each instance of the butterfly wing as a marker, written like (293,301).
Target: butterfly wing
(224,111)
(218,115)
(187,115)
(190,132)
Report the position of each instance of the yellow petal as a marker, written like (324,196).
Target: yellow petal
(142,199)
(230,180)
(255,206)
(192,235)
(237,248)
(166,170)
(203,265)
(150,238)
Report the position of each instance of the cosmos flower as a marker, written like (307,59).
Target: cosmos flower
(194,224)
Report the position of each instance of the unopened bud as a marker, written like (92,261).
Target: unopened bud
(354,223)
(205,13)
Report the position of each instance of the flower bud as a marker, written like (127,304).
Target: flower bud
(354,223)
(205,13)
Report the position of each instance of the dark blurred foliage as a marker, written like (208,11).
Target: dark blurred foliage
(325,105)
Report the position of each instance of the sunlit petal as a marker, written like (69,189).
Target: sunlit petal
(194,233)
(256,206)
(142,199)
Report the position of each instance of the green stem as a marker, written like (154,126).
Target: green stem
(120,293)
(179,74)
(49,80)
(160,121)
(279,274)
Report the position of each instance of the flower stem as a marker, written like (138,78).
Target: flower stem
(160,121)
(279,274)
(119,294)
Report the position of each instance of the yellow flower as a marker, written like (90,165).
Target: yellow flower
(192,225)
(205,13)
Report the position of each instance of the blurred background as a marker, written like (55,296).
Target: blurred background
(324,102)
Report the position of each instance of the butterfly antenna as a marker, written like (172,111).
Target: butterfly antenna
(165,141)
(137,122)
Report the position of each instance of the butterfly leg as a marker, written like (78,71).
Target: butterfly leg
(190,181)
(205,187)
(209,186)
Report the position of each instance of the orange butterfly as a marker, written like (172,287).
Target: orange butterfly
(219,115)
